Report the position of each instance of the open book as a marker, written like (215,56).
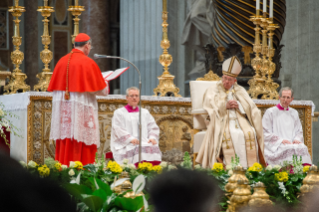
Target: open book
(111,75)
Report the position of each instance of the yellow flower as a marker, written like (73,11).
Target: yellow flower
(58,166)
(157,169)
(218,167)
(114,167)
(145,166)
(78,165)
(256,167)
(44,171)
(305,169)
(282,177)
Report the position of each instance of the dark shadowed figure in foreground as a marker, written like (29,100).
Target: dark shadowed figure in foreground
(20,191)
(185,191)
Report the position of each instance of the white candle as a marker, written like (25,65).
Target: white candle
(271,9)
(265,6)
(257,4)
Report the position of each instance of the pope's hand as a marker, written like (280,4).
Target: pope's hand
(152,141)
(296,142)
(135,141)
(232,104)
(286,142)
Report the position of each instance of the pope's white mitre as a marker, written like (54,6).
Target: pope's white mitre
(232,67)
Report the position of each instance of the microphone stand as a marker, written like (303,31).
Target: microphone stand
(96,56)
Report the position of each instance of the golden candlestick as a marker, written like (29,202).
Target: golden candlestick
(17,78)
(257,87)
(260,84)
(45,55)
(166,80)
(271,86)
(76,11)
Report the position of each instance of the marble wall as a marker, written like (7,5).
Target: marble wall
(300,55)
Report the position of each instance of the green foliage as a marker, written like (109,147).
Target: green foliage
(187,163)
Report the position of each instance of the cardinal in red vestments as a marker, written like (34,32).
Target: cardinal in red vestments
(75,82)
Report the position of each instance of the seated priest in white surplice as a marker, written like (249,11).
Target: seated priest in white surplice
(235,122)
(125,132)
(283,132)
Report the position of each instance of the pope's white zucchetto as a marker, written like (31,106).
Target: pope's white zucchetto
(232,67)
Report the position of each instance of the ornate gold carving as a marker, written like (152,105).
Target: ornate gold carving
(260,85)
(210,76)
(76,11)
(259,198)
(17,78)
(174,130)
(166,80)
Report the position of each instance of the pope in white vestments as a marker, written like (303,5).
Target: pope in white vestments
(235,122)
(283,133)
(125,133)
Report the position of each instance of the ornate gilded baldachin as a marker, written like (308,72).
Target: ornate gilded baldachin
(17,78)
(166,80)
(46,55)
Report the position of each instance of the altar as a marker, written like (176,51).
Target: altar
(173,116)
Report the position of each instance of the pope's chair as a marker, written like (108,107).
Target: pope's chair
(200,115)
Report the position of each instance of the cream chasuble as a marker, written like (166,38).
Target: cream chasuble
(231,131)
(279,125)
(243,145)
(125,129)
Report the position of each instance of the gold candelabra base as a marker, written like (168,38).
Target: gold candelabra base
(44,81)
(166,86)
(256,87)
(271,88)
(16,83)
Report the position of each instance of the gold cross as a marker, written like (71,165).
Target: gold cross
(225,140)
(250,140)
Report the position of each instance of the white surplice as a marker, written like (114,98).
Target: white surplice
(282,125)
(125,129)
(237,134)
(76,118)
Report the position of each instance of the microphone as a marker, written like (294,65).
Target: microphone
(97,56)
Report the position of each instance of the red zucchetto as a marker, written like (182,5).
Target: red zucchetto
(82,37)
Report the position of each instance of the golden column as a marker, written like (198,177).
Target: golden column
(17,78)
(45,55)
(76,11)
(166,81)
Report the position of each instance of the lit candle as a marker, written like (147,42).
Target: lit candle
(164,5)
(271,9)
(265,6)
(257,4)
(76,2)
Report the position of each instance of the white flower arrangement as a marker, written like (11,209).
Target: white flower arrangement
(72,164)
(269,168)
(32,164)
(71,172)
(64,167)
(277,167)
